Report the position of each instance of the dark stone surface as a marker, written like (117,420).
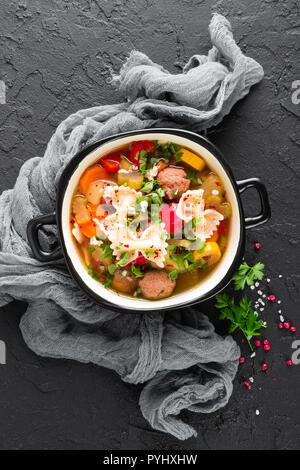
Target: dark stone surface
(56,57)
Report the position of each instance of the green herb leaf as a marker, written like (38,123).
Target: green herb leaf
(173,274)
(247,275)
(136,272)
(108,281)
(178,156)
(147,187)
(112,268)
(137,292)
(205,267)
(124,258)
(240,316)
(190,174)
(91,249)
(107,252)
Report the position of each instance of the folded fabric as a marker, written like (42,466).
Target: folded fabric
(185,363)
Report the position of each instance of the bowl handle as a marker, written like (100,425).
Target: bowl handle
(265,212)
(33,228)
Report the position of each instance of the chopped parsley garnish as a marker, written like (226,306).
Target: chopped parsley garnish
(191,174)
(124,258)
(205,267)
(148,187)
(93,273)
(112,268)
(108,281)
(137,292)
(136,272)
(173,274)
(107,252)
(91,249)
(143,162)
(178,156)
(194,266)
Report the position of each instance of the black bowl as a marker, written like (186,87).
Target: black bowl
(54,218)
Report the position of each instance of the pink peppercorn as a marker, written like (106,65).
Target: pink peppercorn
(267,347)
(293,329)
(286,325)
(272,298)
(280,325)
(242,360)
(247,384)
(257,246)
(257,343)
(266,341)
(289,362)
(264,366)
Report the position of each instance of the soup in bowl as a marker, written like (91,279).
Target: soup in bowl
(150,220)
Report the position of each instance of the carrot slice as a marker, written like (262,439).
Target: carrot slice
(161,165)
(93,209)
(89,229)
(94,173)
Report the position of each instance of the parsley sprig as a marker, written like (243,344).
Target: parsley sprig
(240,316)
(247,275)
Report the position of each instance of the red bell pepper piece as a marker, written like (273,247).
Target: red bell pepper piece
(111,162)
(222,227)
(137,147)
(137,261)
(172,222)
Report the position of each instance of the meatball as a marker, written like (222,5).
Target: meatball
(122,283)
(174,181)
(156,285)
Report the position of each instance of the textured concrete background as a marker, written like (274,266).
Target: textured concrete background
(56,57)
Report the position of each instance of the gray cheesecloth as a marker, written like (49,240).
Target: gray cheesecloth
(183,363)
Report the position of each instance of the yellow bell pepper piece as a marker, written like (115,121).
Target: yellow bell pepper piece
(191,159)
(210,254)
(133,179)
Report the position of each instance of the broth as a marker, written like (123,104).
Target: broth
(155,250)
